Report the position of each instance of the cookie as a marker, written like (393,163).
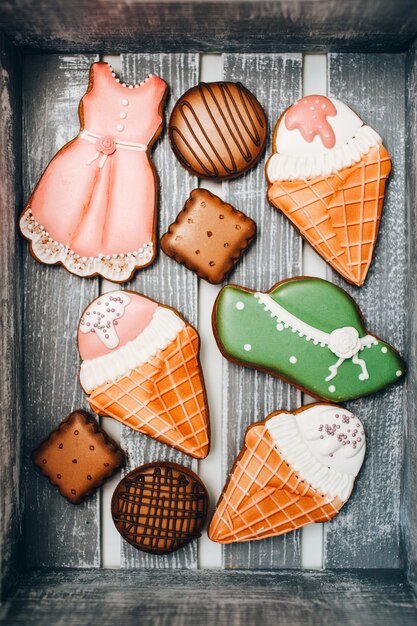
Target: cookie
(218,130)
(294,469)
(140,365)
(78,456)
(160,507)
(208,236)
(94,208)
(309,332)
(327,174)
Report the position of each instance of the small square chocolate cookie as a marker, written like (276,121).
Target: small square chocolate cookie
(78,456)
(208,236)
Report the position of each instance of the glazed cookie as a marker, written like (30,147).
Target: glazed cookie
(78,456)
(94,208)
(294,469)
(327,174)
(309,332)
(160,507)
(140,365)
(218,130)
(208,236)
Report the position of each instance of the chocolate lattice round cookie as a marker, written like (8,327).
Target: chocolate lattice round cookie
(160,507)
(218,130)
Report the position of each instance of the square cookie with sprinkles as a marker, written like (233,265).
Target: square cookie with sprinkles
(208,236)
(78,456)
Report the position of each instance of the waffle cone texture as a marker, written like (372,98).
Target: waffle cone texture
(339,215)
(164,398)
(264,496)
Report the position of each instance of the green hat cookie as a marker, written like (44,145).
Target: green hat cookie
(308,332)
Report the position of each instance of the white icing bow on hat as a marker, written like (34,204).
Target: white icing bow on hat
(345,342)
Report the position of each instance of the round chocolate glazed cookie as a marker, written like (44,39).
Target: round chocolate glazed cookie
(218,130)
(160,507)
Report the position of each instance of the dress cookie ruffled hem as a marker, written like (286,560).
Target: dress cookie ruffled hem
(116,267)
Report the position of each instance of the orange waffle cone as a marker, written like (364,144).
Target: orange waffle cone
(164,398)
(264,497)
(339,214)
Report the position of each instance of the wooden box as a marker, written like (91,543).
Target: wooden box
(53,569)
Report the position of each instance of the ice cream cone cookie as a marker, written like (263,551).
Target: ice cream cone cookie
(140,365)
(327,174)
(294,469)
(309,332)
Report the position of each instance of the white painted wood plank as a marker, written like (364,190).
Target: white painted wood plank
(56,532)
(314,82)
(366,533)
(165,280)
(248,395)
(110,538)
(210,469)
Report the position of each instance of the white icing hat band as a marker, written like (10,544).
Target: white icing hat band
(345,342)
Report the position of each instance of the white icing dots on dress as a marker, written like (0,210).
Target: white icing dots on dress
(120,127)
(247,347)
(122,115)
(384,349)
(240,306)
(293,360)
(332,388)
(101,318)
(125,102)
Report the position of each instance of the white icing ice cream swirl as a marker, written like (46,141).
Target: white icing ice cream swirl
(300,156)
(162,329)
(324,444)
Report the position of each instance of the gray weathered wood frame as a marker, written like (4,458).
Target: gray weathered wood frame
(38,378)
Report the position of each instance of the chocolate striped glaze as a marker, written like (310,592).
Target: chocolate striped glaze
(218,130)
(160,507)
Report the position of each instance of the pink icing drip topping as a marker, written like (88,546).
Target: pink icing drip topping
(309,116)
(136,316)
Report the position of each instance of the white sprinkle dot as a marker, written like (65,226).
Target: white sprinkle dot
(293,359)
(384,350)
(280,326)
(398,372)
(332,388)
(247,347)
(240,306)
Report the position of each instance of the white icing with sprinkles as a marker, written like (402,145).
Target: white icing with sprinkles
(324,444)
(384,349)
(247,347)
(293,359)
(240,306)
(332,388)
(101,317)
(398,372)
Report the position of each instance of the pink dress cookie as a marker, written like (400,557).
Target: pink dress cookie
(93,209)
